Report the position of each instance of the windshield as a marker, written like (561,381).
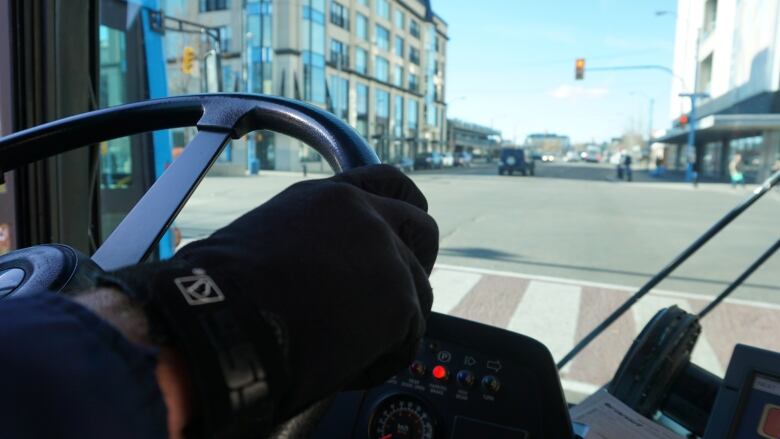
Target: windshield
(568,152)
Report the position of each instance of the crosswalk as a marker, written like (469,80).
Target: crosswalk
(560,312)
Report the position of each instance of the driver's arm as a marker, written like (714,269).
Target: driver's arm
(324,287)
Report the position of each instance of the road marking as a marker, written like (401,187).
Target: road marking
(449,287)
(616,287)
(548,312)
(703,354)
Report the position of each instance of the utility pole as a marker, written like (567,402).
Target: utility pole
(691,174)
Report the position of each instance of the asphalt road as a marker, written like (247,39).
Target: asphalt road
(574,221)
(550,256)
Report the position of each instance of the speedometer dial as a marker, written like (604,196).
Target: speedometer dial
(401,417)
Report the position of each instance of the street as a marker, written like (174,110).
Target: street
(551,255)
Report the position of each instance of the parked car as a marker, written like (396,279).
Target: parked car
(513,160)
(428,160)
(404,164)
(463,159)
(448,160)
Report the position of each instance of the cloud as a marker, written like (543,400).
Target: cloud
(566,91)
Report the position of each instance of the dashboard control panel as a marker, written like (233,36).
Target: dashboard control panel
(468,380)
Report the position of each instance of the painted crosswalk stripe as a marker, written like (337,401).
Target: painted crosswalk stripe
(449,287)
(548,313)
(703,354)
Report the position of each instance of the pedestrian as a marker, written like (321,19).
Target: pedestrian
(627,166)
(620,166)
(305,170)
(736,168)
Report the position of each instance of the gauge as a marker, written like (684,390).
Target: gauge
(401,417)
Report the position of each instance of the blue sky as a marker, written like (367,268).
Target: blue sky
(511,64)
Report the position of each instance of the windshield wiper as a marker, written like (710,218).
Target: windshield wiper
(759,192)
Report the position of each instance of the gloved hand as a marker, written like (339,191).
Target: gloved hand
(323,287)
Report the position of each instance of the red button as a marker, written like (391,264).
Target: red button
(440,373)
(770,421)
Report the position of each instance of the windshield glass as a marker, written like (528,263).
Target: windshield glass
(568,153)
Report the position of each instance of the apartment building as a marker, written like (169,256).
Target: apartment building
(377,64)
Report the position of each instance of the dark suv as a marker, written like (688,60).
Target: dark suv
(513,160)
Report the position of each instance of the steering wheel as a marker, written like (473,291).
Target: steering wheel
(218,117)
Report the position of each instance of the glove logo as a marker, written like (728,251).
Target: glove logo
(199,289)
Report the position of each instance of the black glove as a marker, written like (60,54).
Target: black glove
(324,287)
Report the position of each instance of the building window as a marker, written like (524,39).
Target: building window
(710,16)
(414,28)
(381,69)
(362,109)
(382,110)
(313,54)
(339,54)
(314,77)
(224,38)
(339,15)
(361,26)
(361,61)
(382,36)
(339,91)
(214,5)
(383,9)
(398,117)
(399,46)
(413,84)
(705,75)
(431,114)
(414,55)
(400,19)
(411,115)
(398,77)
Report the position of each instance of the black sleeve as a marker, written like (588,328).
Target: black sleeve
(66,373)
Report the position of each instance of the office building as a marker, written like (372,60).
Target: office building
(377,64)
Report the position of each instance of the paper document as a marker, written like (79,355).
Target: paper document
(609,418)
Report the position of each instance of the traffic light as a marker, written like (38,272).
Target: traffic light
(683,120)
(579,68)
(188,60)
